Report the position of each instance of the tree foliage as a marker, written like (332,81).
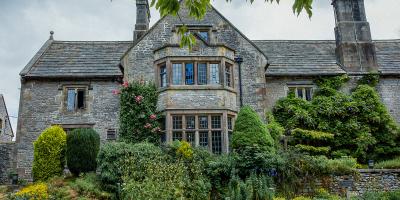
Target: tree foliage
(360,122)
(138,118)
(49,154)
(82,149)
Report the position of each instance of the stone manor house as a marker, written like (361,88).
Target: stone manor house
(70,83)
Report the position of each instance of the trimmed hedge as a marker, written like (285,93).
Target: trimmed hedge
(82,148)
(49,154)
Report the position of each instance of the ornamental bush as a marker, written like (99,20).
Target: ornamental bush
(49,154)
(37,191)
(82,149)
(138,118)
(251,142)
(360,122)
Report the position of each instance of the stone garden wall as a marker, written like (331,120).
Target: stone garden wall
(367,180)
(6,160)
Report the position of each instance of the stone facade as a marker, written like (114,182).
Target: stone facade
(43,103)
(6,132)
(7,161)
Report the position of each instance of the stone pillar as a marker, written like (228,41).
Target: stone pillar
(355,50)
(142,19)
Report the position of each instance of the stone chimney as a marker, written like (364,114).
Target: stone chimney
(142,18)
(355,50)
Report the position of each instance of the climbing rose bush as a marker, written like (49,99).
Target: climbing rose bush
(138,116)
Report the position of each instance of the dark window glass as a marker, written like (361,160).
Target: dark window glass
(177,74)
(189,74)
(228,81)
(81,99)
(203,122)
(203,140)
(177,122)
(202,73)
(176,136)
(190,137)
(216,142)
(215,121)
(111,134)
(190,122)
(71,99)
(163,138)
(308,94)
(230,140)
(230,123)
(163,76)
(300,93)
(204,35)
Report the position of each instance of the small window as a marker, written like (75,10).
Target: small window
(203,122)
(203,141)
(302,92)
(216,142)
(163,76)
(111,134)
(214,73)
(230,124)
(75,99)
(202,73)
(177,122)
(177,74)
(228,75)
(215,122)
(189,74)
(204,35)
(190,122)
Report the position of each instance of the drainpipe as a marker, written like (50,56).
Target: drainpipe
(239,61)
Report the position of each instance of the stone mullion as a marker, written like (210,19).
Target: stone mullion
(196,134)
(209,133)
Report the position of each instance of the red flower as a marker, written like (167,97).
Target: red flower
(148,125)
(138,99)
(153,117)
(116,92)
(125,84)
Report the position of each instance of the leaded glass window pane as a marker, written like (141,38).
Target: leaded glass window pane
(215,122)
(189,74)
(308,94)
(230,127)
(163,76)
(190,137)
(203,122)
(190,122)
(176,136)
(71,99)
(214,73)
(228,81)
(202,73)
(177,122)
(203,140)
(300,93)
(177,74)
(216,142)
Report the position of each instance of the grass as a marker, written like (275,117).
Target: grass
(389,164)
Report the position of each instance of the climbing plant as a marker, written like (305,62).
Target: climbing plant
(360,123)
(138,117)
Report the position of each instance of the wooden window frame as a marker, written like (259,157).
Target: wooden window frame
(76,88)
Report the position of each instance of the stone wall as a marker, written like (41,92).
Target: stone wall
(6,132)
(43,104)
(366,180)
(389,90)
(6,160)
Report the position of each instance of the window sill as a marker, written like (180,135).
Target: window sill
(197,87)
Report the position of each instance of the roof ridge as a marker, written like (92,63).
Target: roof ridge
(94,41)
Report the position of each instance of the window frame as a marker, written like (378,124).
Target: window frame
(76,89)
(303,89)
(228,76)
(162,74)
(115,134)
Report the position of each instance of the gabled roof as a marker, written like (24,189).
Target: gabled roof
(77,59)
(317,57)
(7,119)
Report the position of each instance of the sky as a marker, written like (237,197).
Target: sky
(25,26)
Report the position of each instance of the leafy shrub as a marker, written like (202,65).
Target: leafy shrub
(113,157)
(393,195)
(389,164)
(360,122)
(88,186)
(371,79)
(49,153)
(274,128)
(251,141)
(313,141)
(138,117)
(255,187)
(37,191)
(220,171)
(82,148)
